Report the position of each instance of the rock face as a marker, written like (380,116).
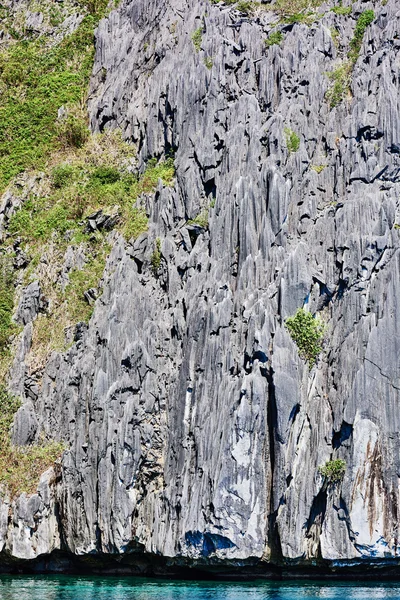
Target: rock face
(195,429)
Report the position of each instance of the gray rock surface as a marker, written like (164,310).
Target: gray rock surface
(195,430)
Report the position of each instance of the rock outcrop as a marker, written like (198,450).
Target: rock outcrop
(195,430)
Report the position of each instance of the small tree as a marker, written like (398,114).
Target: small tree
(333,470)
(308,333)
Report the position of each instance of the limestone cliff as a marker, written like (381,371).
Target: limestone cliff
(194,428)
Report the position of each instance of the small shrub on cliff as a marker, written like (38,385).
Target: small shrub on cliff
(292,140)
(307,332)
(340,88)
(333,470)
(197,37)
(274,39)
(156,257)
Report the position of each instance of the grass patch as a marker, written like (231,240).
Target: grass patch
(34,82)
(341,10)
(96,177)
(82,280)
(296,11)
(79,188)
(201,220)
(307,332)
(21,467)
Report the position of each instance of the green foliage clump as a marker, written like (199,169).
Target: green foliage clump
(292,140)
(201,220)
(340,78)
(333,470)
(363,21)
(197,37)
(208,61)
(73,131)
(21,467)
(318,168)
(105,174)
(307,332)
(61,175)
(274,38)
(7,291)
(156,257)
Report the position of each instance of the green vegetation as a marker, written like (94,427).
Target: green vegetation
(21,467)
(274,38)
(245,7)
(340,88)
(201,220)
(363,21)
(83,186)
(35,80)
(7,327)
(333,470)
(341,10)
(318,168)
(208,61)
(197,37)
(341,76)
(296,11)
(156,257)
(95,177)
(83,279)
(307,332)
(292,140)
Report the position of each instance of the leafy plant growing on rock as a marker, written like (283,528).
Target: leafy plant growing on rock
(292,140)
(197,37)
(156,257)
(333,470)
(274,39)
(307,332)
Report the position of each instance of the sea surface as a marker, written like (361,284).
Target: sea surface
(24,587)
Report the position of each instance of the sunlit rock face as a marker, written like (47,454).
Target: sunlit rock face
(195,429)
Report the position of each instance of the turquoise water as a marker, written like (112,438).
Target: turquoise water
(25,587)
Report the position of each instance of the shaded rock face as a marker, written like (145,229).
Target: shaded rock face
(195,429)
